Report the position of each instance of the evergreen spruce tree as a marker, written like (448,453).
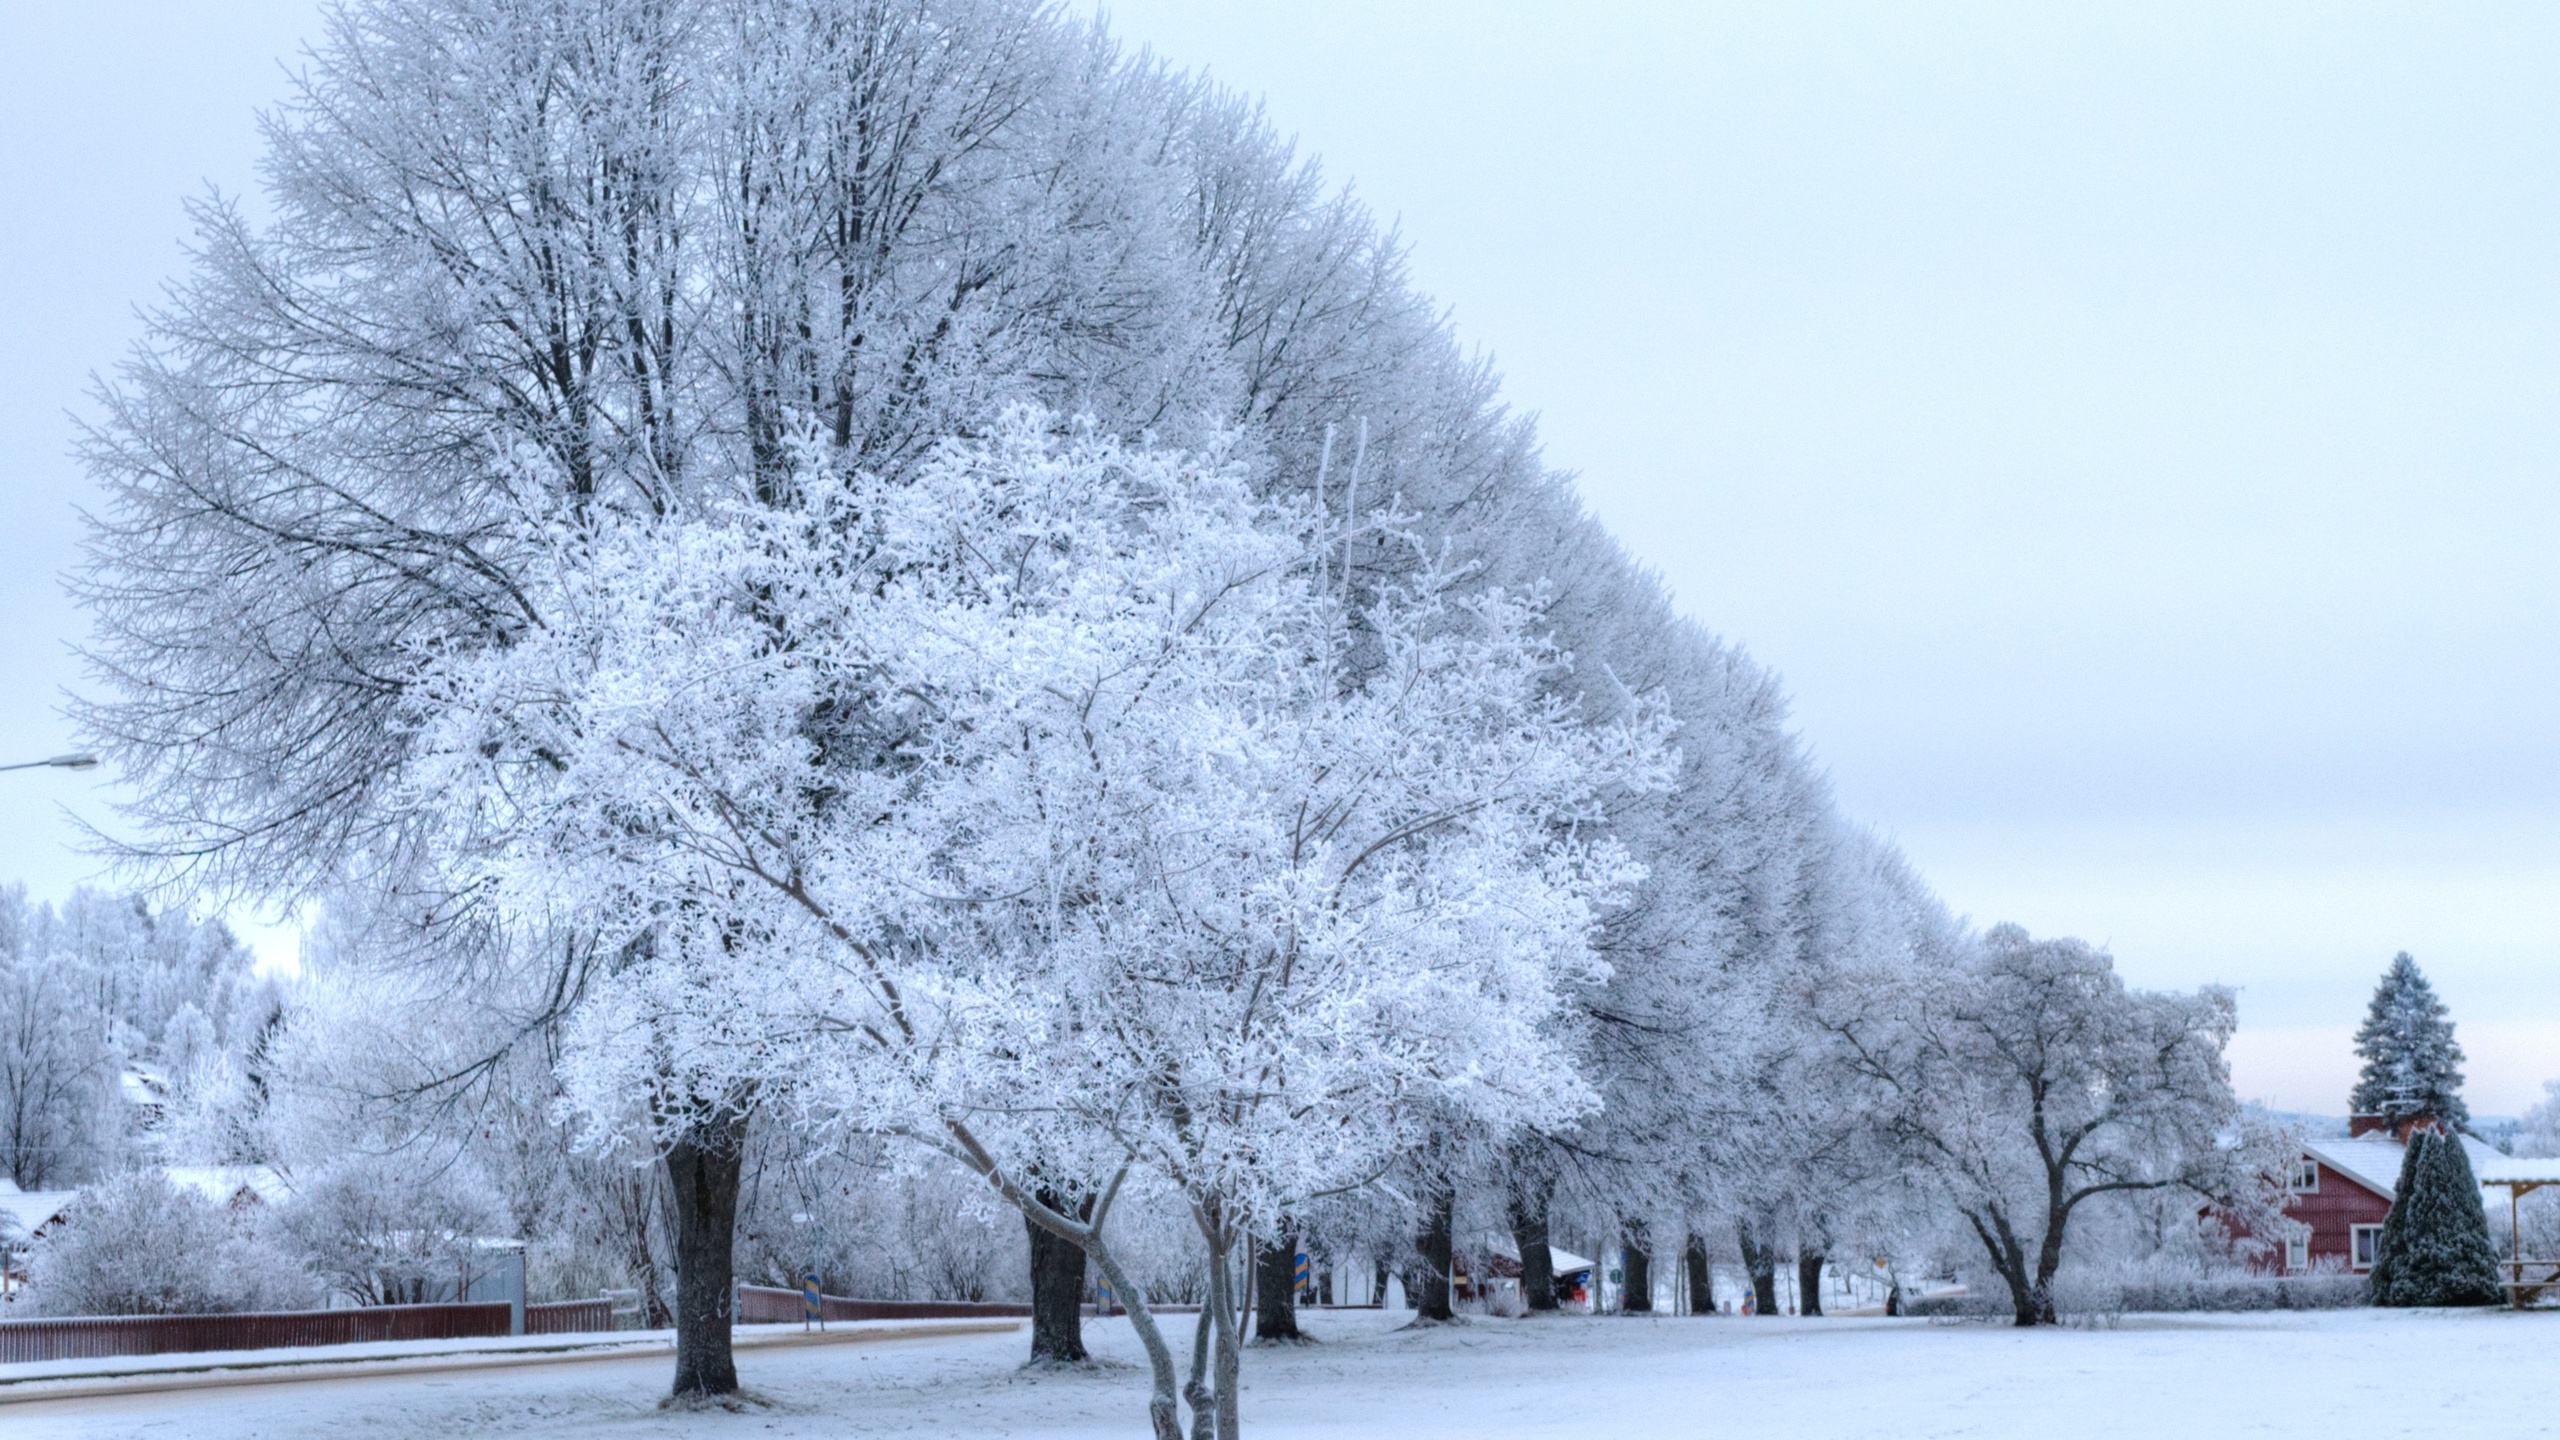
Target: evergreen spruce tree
(2435,1247)
(2410,1060)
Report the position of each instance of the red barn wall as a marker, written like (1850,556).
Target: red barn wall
(2339,1204)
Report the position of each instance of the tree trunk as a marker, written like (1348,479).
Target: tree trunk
(2049,1257)
(702,1175)
(1809,1281)
(1537,1262)
(1275,1290)
(1702,1278)
(1761,1262)
(1195,1391)
(1057,1289)
(2030,1303)
(1433,1302)
(1637,1258)
(1164,1421)
(1230,1368)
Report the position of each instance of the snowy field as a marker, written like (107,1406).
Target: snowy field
(2335,1374)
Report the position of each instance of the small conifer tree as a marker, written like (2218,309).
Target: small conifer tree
(2411,1063)
(2435,1247)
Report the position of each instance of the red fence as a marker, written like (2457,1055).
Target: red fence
(91,1337)
(764,1305)
(568,1317)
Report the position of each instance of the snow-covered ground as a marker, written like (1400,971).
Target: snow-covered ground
(2477,1374)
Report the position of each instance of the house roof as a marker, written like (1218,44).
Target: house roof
(2373,1161)
(22,1212)
(223,1184)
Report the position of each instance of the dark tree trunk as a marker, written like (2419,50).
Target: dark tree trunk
(1809,1282)
(1378,1286)
(1637,1256)
(1057,1290)
(2030,1301)
(1702,1278)
(1761,1262)
(702,1176)
(1275,1290)
(1433,1302)
(1537,1263)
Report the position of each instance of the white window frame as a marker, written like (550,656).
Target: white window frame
(2305,1179)
(2359,1249)
(2297,1252)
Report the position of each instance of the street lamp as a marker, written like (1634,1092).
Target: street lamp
(58,762)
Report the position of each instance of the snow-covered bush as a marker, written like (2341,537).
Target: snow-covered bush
(876,1230)
(392,1230)
(137,1245)
(2170,1284)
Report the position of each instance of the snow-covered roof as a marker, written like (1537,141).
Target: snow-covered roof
(2502,1169)
(1562,1262)
(2373,1161)
(139,1086)
(222,1184)
(22,1211)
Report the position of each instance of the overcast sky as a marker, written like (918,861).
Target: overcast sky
(2129,429)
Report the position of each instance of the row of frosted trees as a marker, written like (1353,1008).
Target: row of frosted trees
(893,570)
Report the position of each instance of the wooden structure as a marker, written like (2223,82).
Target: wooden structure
(2526,1281)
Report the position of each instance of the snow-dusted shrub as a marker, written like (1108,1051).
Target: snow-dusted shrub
(1974,1303)
(2169,1288)
(883,1233)
(137,1245)
(392,1230)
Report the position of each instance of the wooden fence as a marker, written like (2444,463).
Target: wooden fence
(568,1317)
(89,1337)
(765,1305)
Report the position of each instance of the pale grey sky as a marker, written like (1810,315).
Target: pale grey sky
(2128,428)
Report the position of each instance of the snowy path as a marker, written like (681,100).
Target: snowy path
(2338,1374)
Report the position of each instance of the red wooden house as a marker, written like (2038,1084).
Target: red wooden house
(2340,1193)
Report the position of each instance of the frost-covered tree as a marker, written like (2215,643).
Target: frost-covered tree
(137,1245)
(95,988)
(387,1229)
(1109,859)
(2539,1132)
(2435,1247)
(622,248)
(549,283)
(2412,1067)
(57,1073)
(2027,1080)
